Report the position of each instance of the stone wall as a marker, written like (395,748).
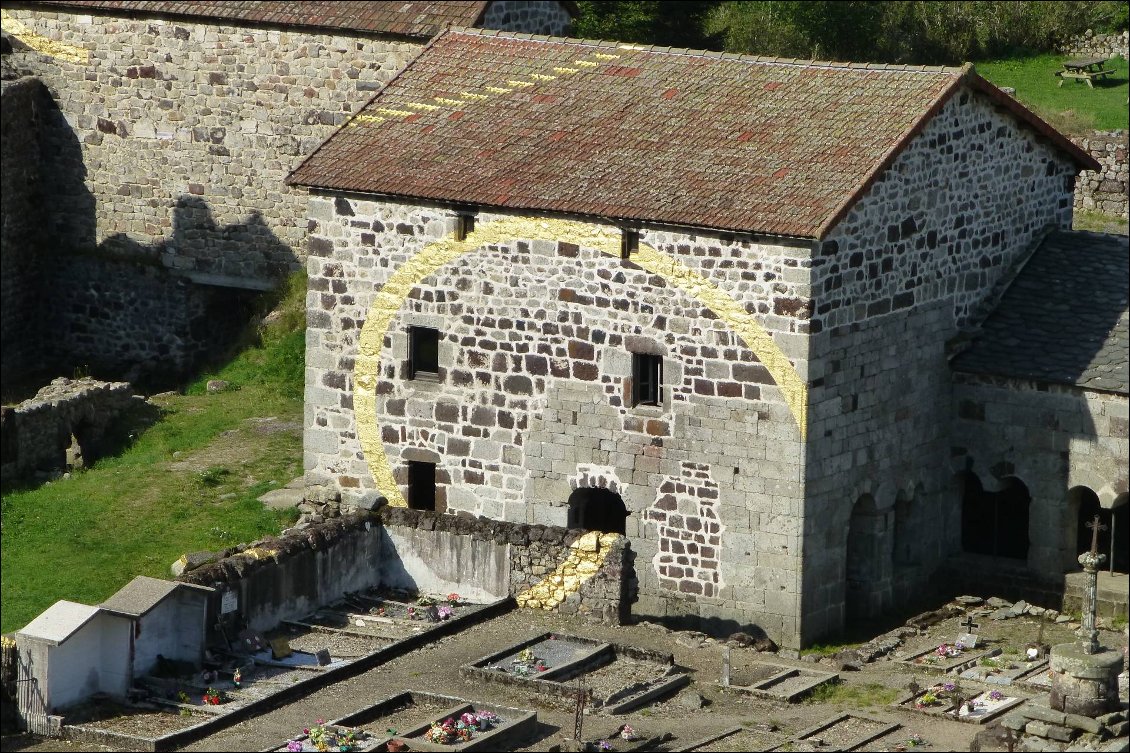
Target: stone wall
(540,318)
(65,424)
(529,16)
(1101,45)
(135,320)
(21,201)
(908,266)
(1053,439)
(289,576)
(167,111)
(1108,190)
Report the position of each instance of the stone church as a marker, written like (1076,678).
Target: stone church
(812,335)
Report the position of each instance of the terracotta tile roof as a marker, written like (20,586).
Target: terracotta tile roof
(400,17)
(1065,319)
(600,128)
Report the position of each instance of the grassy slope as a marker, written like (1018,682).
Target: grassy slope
(187,483)
(1073,108)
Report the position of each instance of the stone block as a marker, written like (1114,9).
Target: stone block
(1080,722)
(1043,714)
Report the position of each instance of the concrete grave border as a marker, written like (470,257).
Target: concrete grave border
(946,711)
(957,665)
(886,729)
(552,682)
(761,688)
(394,650)
(524,725)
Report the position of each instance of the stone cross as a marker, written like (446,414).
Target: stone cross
(969,624)
(1088,635)
(1095,526)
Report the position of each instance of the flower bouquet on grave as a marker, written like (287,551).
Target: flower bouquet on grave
(627,733)
(487,719)
(927,699)
(423,600)
(444,612)
(213,697)
(996,695)
(442,733)
(453,599)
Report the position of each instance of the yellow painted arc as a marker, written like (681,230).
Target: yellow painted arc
(387,304)
(585,558)
(41,44)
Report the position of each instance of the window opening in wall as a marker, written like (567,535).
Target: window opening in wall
(629,242)
(597,510)
(647,379)
(423,352)
(1113,540)
(464,226)
(421,485)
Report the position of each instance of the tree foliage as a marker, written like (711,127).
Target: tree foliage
(908,31)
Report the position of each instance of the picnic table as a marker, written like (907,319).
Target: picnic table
(1084,69)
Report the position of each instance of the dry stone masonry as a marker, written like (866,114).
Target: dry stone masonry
(1100,45)
(1108,190)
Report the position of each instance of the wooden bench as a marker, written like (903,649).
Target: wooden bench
(1086,69)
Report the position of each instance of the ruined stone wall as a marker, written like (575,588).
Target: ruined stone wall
(540,318)
(139,321)
(1052,438)
(909,264)
(289,576)
(529,16)
(21,201)
(168,111)
(1108,190)
(1092,45)
(38,433)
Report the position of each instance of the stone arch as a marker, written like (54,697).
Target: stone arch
(868,560)
(995,522)
(597,509)
(388,302)
(1084,504)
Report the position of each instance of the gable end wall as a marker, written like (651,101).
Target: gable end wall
(910,264)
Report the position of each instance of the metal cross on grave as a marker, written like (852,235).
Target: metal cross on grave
(1095,525)
(969,624)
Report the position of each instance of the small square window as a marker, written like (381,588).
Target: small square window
(421,485)
(629,243)
(464,226)
(423,352)
(647,379)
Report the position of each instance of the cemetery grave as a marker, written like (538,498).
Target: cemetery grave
(614,678)
(756,738)
(952,700)
(947,658)
(842,732)
(776,681)
(413,720)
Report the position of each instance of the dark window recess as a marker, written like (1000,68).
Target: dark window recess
(464,226)
(421,485)
(423,352)
(647,379)
(629,243)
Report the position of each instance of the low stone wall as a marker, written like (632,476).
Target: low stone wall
(286,577)
(1104,191)
(64,425)
(1092,45)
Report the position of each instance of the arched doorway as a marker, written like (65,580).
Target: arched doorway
(995,523)
(1114,540)
(595,509)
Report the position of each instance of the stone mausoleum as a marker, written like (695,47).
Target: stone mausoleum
(768,318)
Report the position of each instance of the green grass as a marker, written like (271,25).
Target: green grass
(1098,222)
(855,696)
(828,649)
(1073,108)
(188,482)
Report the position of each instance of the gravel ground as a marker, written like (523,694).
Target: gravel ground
(435,668)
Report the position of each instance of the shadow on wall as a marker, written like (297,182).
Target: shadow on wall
(148,313)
